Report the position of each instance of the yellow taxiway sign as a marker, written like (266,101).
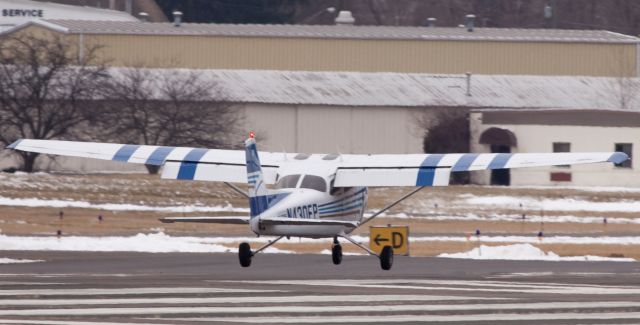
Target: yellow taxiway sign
(395,236)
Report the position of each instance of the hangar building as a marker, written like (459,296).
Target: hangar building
(356,48)
(361,89)
(370,113)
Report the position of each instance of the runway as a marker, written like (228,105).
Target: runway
(178,288)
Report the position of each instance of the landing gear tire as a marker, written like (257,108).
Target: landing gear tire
(336,254)
(386,258)
(244,254)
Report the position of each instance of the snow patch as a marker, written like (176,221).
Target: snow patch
(524,252)
(328,252)
(151,243)
(582,240)
(16,261)
(568,204)
(33,202)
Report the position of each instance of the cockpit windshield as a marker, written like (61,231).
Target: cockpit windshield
(289,181)
(314,182)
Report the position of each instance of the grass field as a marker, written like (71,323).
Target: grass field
(432,211)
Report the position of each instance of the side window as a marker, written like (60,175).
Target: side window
(289,181)
(626,148)
(562,147)
(314,183)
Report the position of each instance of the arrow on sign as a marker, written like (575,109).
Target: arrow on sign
(377,240)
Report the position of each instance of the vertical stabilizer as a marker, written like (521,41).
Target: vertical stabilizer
(258,200)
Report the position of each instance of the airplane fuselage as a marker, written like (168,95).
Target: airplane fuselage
(305,194)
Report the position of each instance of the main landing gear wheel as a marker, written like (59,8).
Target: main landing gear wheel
(336,254)
(386,258)
(244,254)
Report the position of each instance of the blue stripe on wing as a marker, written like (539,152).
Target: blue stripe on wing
(158,156)
(190,163)
(427,170)
(464,162)
(499,161)
(125,152)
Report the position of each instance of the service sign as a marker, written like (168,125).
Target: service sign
(15,12)
(395,236)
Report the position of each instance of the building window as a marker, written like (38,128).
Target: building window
(562,147)
(626,148)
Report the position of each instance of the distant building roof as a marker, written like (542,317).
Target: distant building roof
(15,12)
(421,90)
(344,32)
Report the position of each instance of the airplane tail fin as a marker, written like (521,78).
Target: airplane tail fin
(258,193)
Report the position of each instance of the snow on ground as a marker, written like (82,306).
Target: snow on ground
(523,252)
(4,260)
(507,217)
(597,189)
(33,202)
(568,204)
(493,200)
(603,240)
(163,243)
(152,243)
(328,252)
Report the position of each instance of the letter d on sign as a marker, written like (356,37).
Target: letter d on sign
(397,239)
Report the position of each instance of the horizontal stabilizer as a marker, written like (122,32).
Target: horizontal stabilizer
(233,220)
(307,222)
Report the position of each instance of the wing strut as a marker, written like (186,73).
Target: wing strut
(266,245)
(353,241)
(406,196)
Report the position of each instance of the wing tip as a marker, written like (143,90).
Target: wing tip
(618,157)
(14,144)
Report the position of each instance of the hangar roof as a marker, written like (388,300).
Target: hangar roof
(338,31)
(419,90)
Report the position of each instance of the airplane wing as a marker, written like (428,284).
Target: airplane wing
(183,163)
(233,220)
(352,170)
(434,169)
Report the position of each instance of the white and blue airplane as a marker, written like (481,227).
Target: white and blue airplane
(313,195)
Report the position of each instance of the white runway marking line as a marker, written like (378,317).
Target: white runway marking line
(467,286)
(125,291)
(295,309)
(67,275)
(66,322)
(235,300)
(416,318)
(11,283)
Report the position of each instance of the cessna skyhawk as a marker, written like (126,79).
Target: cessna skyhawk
(312,195)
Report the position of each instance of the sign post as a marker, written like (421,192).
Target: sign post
(395,236)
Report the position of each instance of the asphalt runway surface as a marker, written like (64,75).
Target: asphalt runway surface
(187,288)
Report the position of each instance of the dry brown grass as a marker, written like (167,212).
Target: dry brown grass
(150,190)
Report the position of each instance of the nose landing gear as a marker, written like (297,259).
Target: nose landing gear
(386,258)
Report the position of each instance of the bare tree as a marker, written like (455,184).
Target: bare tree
(43,86)
(168,108)
(446,130)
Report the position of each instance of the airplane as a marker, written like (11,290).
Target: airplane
(313,195)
